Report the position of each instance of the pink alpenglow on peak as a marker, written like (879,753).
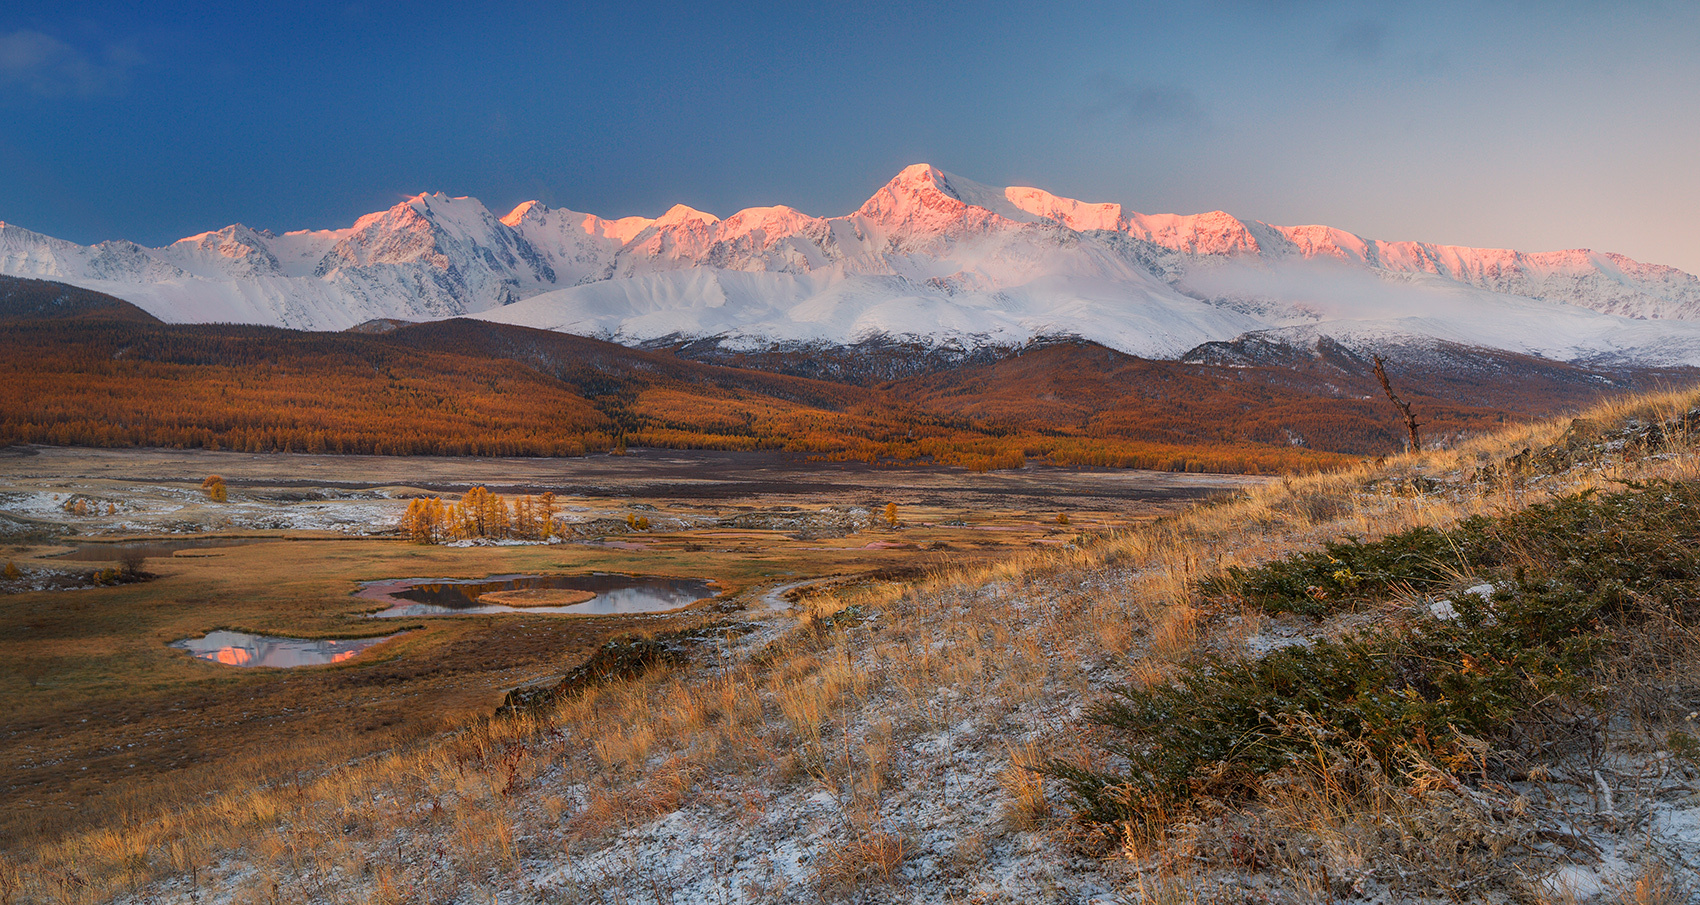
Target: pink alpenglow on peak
(1073,214)
(930,256)
(679,215)
(1326,241)
(773,221)
(513,217)
(621,230)
(1212,233)
(924,200)
(535,214)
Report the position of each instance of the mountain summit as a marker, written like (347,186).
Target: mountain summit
(930,257)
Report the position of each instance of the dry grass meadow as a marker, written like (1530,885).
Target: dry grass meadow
(880,742)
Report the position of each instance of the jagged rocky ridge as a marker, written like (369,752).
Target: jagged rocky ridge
(931,261)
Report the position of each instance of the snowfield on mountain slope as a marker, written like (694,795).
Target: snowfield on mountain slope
(1364,309)
(749,309)
(1152,321)
(930,256)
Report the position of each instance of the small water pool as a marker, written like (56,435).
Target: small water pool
(152,549)
(243,649)
(610,594)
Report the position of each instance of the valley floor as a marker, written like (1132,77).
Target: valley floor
(705,479)
(101,722)
(903,741)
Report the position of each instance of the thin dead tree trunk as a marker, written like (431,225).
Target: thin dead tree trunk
(1404,407)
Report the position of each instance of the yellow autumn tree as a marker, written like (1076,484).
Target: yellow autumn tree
(473,511)
(214,487)
(546,515)
(411,522)
(437,516)
(426,521)
(524,522)
(496,516)
(479,513)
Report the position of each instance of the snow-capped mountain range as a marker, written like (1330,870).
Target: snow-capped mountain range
(930,257)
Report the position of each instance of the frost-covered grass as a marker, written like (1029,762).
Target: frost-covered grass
(880,744)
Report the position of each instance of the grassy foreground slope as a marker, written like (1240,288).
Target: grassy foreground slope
(957,739)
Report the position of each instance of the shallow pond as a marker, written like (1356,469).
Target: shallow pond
(608,594)
(243,649)
(151,549)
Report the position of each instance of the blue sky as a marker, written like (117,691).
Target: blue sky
(1523,124)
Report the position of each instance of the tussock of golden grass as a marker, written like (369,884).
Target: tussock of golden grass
(995,656)
(1028,806)
(1656,884)
(867,856)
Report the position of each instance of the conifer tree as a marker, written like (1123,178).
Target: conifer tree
(474,512)
(410,523)
(454,522)
(436,520)
(546,515)
(525,524)
(496,517)
(423,523)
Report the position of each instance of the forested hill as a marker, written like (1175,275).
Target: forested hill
(87,369)
(22,300)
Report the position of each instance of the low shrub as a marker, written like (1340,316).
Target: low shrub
(1389,695)
(1464,693)
(1343,573)
(1635,537)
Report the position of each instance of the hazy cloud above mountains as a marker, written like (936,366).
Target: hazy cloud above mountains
(1364,40)
(36,64)
(1138,106)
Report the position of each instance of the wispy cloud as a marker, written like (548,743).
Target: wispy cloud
(1364,41)
(1143,105)
(33,63)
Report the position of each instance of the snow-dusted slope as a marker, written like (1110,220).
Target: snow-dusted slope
(930,256)
(756,309)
